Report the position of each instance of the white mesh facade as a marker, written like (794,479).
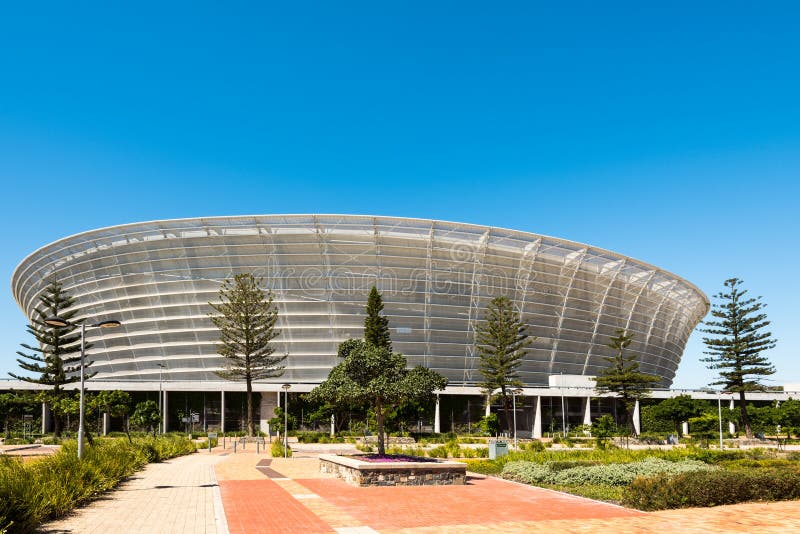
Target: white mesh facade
(436,279)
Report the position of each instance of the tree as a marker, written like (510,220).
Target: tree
(13,404)
(789,417)
(371,374)
(737,339)
(246,316)
(376,326)
(56,356)
(502,342)
(678,409)
(624,378)
(116,403)
(147,416)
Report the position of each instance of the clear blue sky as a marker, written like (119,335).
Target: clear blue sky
(668,133)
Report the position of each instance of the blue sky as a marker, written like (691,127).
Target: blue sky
(667,133)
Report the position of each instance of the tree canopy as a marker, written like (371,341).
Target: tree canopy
(377,377)
(376,326)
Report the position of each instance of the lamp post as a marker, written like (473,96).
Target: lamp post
(514,393)
(61,323)
(161,368)
(563,412)
(719,415)
(285,388)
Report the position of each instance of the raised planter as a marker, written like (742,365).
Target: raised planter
(358,472)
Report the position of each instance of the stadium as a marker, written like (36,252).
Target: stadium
(436,279)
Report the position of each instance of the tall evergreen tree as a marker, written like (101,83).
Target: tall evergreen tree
(624,378)
(56,357)
(502,343)
(246,316)
(737,343)
(376,326)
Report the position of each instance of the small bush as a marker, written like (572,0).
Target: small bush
(438,452)
(277,449)
(712,488)
(534,446)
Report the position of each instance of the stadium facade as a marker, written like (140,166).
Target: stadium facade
(436,279)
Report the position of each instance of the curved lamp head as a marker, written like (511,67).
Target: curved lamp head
(57,321)
(113,323)
(61,323)
(516,391)
(286,386)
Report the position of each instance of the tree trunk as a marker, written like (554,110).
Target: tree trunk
(745,418)
(56,424)
(250,426)
(506,412)
(379,418)
(128,428)
(89,437)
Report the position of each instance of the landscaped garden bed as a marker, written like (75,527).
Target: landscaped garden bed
(51,487)
(373,470)
(656,479)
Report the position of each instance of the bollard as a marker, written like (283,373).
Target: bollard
(234,446)
(257,447)
(209,444)
(223,441)
(244,443)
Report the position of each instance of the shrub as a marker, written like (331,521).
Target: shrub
(535,446)
(438,452)
(277,449)
(712,488)
(579,474)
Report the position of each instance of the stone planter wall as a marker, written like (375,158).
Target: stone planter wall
(360,473)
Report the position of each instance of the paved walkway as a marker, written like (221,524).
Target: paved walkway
(169,497)
(262,494)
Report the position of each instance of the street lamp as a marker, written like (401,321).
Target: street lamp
(285,388)
(514,393)
(61,323)
(161,368)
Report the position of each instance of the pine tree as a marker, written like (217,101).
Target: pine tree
(624,378)
(739,339)
(502,343)
(376,326)
(246,316)
(56,358)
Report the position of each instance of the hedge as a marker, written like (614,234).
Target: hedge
(579,473)
(712,488)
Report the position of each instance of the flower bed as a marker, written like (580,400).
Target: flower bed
(403,471)
(376,458)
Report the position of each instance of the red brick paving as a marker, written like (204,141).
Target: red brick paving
(263,506)
(479,502)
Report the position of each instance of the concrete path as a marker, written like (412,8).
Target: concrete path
(179,495)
